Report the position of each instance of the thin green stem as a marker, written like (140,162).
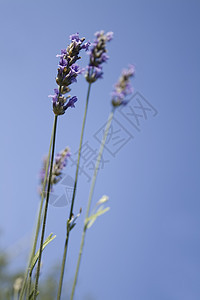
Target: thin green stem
(79,151)
(63,266)
(39,219)
(73,196)
(90,199)
(15,296)
(45,209)
(28,287)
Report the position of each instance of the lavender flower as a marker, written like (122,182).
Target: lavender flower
(68,70)
(98,56)
(59,164)
(60,103)
(123,87)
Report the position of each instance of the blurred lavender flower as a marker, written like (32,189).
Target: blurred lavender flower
(59,164)
(123,87)
(98,56)
(68,70)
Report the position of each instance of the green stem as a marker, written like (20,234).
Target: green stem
(15,296)
(45,209)
(28,287)
(79,151)
(90,199)
(63,266)
(39,219)
(73,196)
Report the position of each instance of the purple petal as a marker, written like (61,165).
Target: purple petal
(109,36)
(86,46)
(71,102)
(75,37)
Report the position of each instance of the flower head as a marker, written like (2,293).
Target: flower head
(123,87)
(68,71)
(60,162)
(98,55)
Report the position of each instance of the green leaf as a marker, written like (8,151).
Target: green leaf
(35,258)
(90,220)
(103,199)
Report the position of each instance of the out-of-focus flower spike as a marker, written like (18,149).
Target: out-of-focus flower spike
(60,162)
(123,87)
(98,56)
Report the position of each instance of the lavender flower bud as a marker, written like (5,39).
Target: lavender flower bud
(123,87)
(60,103)
(98,56)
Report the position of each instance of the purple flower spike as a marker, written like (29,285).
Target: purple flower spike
(59,163)
(98,56)
(68,71)
(123,87)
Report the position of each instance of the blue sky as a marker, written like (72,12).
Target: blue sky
(147,246)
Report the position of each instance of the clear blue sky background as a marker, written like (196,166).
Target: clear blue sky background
(147,246)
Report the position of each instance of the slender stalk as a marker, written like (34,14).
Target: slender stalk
(39,219)
(79,151)
(45,209)
(15,296)
(90,199)
(63,266)
(73,196)
(42,200)
(28,287)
